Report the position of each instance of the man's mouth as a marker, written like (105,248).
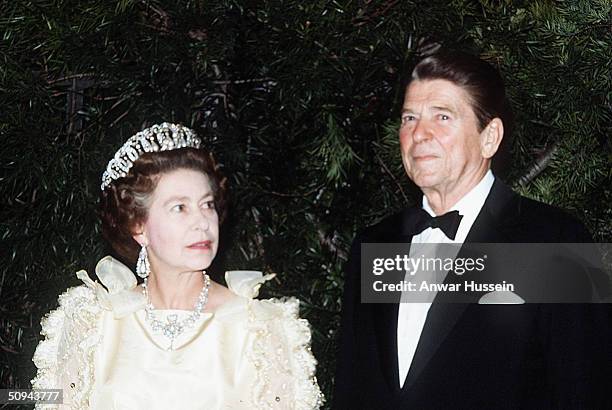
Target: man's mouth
(424,157)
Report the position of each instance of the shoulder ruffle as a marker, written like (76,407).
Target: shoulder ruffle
(246,283)
(120,282)
(282,357)
(64,358)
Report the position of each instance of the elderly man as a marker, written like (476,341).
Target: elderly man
(466,356)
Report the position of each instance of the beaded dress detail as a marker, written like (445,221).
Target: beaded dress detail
(247,354)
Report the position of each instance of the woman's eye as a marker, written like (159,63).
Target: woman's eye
(209,205)
(178,208)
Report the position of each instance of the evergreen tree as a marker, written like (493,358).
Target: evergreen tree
(299,101)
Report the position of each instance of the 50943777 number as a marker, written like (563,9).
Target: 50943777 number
(30,396)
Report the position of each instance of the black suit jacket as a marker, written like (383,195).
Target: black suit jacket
(470,356)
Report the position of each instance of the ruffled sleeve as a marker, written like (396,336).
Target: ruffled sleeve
(72,332)
(64,358)
(279,350)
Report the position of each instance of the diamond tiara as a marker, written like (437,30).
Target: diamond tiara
(159,137)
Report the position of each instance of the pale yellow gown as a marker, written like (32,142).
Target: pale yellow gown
(248,354)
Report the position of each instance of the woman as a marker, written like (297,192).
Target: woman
(179,340)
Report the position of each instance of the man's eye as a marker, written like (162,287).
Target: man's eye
(407,118)
(444,117)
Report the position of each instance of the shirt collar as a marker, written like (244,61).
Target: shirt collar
(469,206)
(471,203)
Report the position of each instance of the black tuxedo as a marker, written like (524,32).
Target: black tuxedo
(470,356)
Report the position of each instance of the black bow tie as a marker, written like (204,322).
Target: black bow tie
(448,223)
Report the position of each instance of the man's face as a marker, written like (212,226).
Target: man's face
(439,137)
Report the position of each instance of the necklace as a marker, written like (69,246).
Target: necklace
(173,328)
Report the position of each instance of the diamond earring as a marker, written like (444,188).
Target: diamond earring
(142,266)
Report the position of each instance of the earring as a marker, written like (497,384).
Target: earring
(142,265)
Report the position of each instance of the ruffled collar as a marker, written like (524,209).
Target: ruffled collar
(246,283)
(119,291)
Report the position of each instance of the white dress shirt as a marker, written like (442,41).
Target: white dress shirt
(411,316)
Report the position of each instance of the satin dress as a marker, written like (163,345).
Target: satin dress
(247,354)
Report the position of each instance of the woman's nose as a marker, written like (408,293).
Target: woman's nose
(202,223)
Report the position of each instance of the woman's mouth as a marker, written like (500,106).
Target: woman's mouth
(201,245)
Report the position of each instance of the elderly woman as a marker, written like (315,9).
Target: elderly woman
(179,340)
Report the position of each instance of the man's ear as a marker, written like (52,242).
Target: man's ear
(491,137)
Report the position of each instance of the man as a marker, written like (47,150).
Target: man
(466,356)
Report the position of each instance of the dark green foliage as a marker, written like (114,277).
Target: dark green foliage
(299,100)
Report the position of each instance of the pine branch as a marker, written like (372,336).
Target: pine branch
(539,165)
(388,172)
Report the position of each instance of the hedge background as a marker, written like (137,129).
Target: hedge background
(300,102)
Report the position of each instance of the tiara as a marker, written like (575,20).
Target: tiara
(159,137)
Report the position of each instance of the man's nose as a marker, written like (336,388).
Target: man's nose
(420,132)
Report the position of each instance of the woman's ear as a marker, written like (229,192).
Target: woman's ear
(491,137)
(139,235)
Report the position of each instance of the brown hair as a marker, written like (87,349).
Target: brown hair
(124,203)
(482,82)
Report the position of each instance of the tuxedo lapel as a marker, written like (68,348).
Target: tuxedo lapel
(385,321)
(385,314)
(499,212)
(442,317)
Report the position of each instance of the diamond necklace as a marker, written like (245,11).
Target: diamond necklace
(174,328)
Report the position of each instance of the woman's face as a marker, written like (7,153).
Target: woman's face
(182,228)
